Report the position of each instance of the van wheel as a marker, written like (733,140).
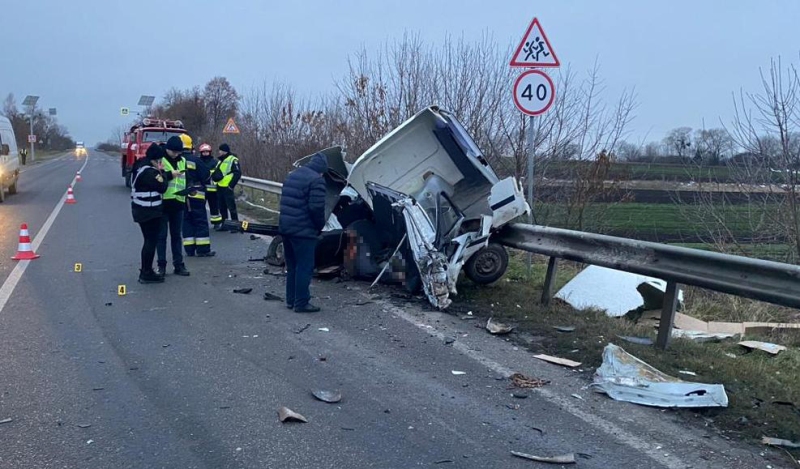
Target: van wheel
(275,252)
(487,265)
(12,189)
(128,181)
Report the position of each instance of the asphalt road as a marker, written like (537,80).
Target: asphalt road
(188,374)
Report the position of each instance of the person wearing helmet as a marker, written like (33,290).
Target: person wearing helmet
(211,188)
(174,201)
(196,240)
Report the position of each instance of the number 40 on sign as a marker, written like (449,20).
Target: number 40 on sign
(534,92)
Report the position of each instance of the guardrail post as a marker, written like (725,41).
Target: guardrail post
(549,280)
(667,315)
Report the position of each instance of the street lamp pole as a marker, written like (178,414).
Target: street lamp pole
(30,101)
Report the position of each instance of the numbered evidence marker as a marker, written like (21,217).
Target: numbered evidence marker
(534,92)
(121,290)
(78,267)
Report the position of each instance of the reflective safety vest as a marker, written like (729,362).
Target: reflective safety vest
(176,184)
(144,199)
(226,168)
(199,193)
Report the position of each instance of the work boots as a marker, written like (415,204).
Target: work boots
(180,269)
(162,271)
(148,276)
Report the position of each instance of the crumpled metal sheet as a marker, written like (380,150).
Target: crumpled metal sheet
(626,378)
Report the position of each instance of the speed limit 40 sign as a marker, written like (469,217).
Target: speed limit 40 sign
(534,92)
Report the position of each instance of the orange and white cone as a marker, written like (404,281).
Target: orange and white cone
(78,176)
(24,251)
(70,197)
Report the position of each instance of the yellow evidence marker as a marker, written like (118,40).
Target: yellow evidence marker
(121,290)
(78,267)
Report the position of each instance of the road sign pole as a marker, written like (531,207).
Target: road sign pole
(33,148)
(531,153)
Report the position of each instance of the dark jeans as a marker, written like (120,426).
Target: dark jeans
(150,232)
(299,255)
(171,223)
(227,204)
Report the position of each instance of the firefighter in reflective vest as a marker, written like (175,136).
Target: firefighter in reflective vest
(211,187)
(196,240)
(174,205)
(227,176)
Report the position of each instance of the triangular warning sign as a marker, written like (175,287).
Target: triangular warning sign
(230,127)
(535,50)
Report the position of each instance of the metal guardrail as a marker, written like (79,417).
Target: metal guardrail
(262,184)
(768,281)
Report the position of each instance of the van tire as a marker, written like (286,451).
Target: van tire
(275,252)
(487,265)
(12,189)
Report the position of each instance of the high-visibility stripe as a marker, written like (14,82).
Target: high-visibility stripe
(188,242)
(200,195)
(203,241)
(146,194)
(216,219)
(176,184)
(211,188)
(142,203)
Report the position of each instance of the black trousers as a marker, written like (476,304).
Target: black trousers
(299,255)
(213,206)
(227,204)
(150,231)
(172,225)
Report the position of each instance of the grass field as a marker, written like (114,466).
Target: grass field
(653,171)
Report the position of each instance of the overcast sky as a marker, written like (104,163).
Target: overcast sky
(90,57)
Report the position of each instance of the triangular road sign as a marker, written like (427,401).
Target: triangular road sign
(535,50)
(230,127)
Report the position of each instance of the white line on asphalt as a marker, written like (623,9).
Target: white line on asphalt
(14,277)
(609,428)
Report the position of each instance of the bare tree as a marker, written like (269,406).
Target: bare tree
(713,145)
(629,151)
(679,141)
(221,101)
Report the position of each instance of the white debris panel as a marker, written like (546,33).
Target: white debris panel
(614,291)
(626,378)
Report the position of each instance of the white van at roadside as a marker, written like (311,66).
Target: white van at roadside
(9,159)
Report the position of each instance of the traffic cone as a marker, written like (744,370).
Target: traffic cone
(78,176)
(70,197)
(24,251)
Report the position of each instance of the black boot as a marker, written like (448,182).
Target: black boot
(207,254)
(181,270)
(148,276)
(162,271)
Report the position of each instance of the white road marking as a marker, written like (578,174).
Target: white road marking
(14,277)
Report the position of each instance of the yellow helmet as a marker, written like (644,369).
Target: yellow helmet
(187,141)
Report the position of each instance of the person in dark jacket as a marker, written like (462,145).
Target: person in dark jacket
(196,241)
(302,217)
(226,176)
(149,183)
(211,187)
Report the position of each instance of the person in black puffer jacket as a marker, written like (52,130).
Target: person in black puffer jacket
(302,217)
(149,183)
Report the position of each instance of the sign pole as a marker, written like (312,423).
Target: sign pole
(33,149)
(531,152)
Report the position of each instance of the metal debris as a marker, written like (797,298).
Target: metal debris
(558,361)
(83,425)
(331,397)
(779,442)
(626,378)
(520,395)
(324,329)
(6,421)
(287,414)
(773,349)
(564,328)
(270,297)
(298,331)
(443,461)
(577,396)
(562,459)
(636,340)
(449,340)
(458,373)
(243,291)
(497,328)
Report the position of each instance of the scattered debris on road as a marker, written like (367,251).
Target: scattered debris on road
(287,414)
(637,340)
(498,328)
(779,442)
(562,459)
(444,461)
(299,331)
(89,442)
(558,361)
(97,389)
(331,397)
(84,425)
(701,336)
(589,289)
(270,297)
(518,380)
(244,291)
(458,373)
(109,304)
(449,340)
(253,238)
(624,377)
(564,328)
(324,329)
(686,372)
(6,421)
(773,349)
(577,396)
(520,394)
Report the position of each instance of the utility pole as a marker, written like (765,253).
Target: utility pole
(30,101)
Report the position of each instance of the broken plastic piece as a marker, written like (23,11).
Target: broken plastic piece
(636,340)
(774,349)
(564,328)
(498,328)
(701,336)
(558,361)
(458,373)
(285,413)
(6,421)
(626,378)
(331,397)
(324,329)
(779,442)
(270,297)
(243,291)
(562,459)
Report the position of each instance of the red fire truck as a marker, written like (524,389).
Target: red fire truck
(141,136)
